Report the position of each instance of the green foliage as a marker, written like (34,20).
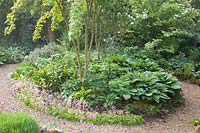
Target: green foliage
(10,55)
(49,73)
(11,17)
(115,80)
(101,119)
(21,21)
(196,123)
(43,101)
(76,19)
(120,79)
(184,66)
(18,123)
(129,120)
(150,86)
(45,52)
(27,99)
(40,25)
(144,107)
(162,25)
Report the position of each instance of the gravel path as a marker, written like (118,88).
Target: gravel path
(178,122)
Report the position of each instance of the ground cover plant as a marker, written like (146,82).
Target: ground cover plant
(53,104)
(18,123)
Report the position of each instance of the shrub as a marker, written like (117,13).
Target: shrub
(185,68)
(44,52)
(10,55)
(17,54)
(5,56)
(18,123)
(120,81)
(164,26)
(49,73)
(151,86)
(114,81)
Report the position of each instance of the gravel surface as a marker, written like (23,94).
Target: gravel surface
(178,122)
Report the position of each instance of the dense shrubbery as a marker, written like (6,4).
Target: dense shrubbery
(114,81)
(18,123)
(184,65)
(45,52)
(49,73)
(164,26)
(10,55)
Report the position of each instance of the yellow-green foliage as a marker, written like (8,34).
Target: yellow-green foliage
(196,123)
(11,17)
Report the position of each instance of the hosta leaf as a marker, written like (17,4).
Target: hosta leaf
(149,94)
(116,98)
(164,96)
(156,98)
(139,89)
(127,96)
(134,90)
(176,86)
(169,82)
(134,80)
(154,91)
(133,94)
(136,98)
(170,91)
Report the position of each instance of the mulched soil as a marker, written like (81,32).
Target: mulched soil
(178,122)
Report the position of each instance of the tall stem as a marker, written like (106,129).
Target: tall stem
(87,47)
(86,50)
(77,47)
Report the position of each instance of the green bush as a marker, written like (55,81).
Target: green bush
(17,123)
(49,73)
(121,80)
(44,52)
(10,55)
(164,26)
(113,81)
(151,86)
(182,67)
(5,56)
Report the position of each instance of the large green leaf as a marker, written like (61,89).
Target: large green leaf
(127,96)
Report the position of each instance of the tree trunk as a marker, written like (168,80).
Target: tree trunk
(79,60)
(87,47)
(51,35)
(77,47)
(86,51)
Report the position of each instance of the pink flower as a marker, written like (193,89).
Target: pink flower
(92,115)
